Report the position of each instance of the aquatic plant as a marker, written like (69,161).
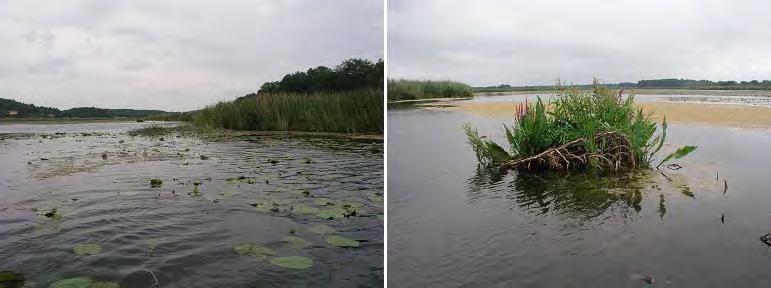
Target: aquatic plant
(341,241)
(413,90)
(322,229)
(359,111)
(296,242)
(578,129)
(87,249)
(256,251)
(10,279)
(82,282)
(293,262)
(156,182)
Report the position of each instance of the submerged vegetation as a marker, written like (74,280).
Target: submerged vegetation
(359,111)
(414,90)
(595,129)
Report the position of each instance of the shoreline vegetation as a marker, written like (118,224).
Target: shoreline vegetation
(359,111)
(597,130)
(409,90)
(347,98)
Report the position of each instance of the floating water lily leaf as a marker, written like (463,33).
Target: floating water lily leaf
(293,262)
(79,282)
(297,242)
(341,241)
(323,201)
(249,249)
(104,285)
(87,249)
(322,229)
(334,213)
(305,209)
(10,279)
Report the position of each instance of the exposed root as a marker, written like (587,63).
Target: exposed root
(613,154)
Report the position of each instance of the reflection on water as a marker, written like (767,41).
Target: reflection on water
(575,196)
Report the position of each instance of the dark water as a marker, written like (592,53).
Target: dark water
(181,232)
(453,226)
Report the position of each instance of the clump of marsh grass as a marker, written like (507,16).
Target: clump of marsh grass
(155,130)
(596,129)
(359,111)
(414,90)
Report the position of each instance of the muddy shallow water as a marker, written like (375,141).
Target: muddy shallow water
(451,225)
(215,194)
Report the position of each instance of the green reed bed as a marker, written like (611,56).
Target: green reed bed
(415,90)
(358,111)
(595,129)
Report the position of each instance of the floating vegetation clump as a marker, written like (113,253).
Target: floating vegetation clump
(156,183)
(296,242)
(87,249)
(596,130)
(322,229)
(340,241)
(82,282)
(9,279)
(256,251)
(293,262)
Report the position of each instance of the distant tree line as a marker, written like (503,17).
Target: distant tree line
(22,110)
(688,83)
(654,83)
(352,74)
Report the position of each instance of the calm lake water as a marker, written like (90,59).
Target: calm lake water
(453,226)
(97,178)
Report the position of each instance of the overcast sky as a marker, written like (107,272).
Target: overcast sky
(488,42)
(172,54)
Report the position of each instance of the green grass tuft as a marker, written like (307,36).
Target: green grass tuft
(359,111)
(414,90)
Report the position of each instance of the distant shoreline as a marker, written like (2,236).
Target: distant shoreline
(7,120)
(649,91)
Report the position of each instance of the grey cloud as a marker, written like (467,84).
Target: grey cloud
(488,42)
(175,54)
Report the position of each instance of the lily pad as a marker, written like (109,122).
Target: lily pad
(296,242)
(79,282)
(10,279)
(341,241)
(323,201)
(322,229)
(293,262)
(87,249)
(305,209)
(104,285)
(249,249)
(334,213)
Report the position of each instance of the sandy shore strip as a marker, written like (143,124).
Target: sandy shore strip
(718,114)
